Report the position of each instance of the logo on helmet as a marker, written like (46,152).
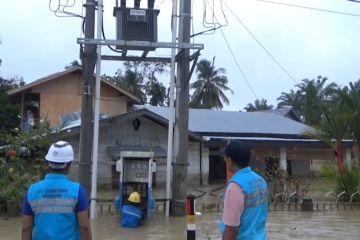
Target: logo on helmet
(55,153)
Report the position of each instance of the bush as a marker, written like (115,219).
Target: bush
(348,180)
(23,163)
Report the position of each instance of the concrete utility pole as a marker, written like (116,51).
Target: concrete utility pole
(86,129)
(182,115)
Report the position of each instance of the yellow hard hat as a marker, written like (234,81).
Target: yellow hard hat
(134,197)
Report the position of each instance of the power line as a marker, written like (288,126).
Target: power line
(311,8)
(157,7)
(261,45)
(235,60)
(238,65)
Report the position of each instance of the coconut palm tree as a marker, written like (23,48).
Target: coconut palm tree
(259,105)
(209,87)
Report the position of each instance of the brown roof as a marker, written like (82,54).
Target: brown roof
(63,73)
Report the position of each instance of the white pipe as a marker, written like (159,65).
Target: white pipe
(171,112)
(96,114)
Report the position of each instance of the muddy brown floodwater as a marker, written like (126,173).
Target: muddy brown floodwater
(281,225)
(296,225)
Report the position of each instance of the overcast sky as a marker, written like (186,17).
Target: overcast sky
(306,43)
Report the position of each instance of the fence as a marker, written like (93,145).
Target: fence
(282,202)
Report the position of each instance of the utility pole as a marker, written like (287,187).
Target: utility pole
(182,115)
(88,65)
(170,143)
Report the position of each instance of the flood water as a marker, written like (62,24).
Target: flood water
(281,225)
(296,225)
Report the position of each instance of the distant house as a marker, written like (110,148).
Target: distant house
(61,93)
(268,134)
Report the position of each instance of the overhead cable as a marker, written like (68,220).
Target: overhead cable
(311,8)
(238,65)
(60,11)
(261,45)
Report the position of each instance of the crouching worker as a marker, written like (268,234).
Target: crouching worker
(131,213)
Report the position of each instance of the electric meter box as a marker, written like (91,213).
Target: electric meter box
(136,25)
(136,170)
(135,174)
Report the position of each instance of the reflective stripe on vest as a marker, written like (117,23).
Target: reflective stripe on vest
(53,205)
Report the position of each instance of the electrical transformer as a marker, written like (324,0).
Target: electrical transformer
(136,24)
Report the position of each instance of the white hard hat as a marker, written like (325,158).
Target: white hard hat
(60,152)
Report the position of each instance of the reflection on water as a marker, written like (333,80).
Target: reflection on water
(281,225)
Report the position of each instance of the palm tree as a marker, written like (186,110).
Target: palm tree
(332,128)
(259,105)
(309,97)
(209,86)
(314,94)
(289,99)
(352,99)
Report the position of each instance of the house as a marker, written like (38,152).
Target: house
(268,134)
(61,93)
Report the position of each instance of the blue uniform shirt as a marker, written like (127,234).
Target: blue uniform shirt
(130,216)
(54,203)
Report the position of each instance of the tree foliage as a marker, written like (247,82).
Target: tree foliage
(348,181)
(309,98)
(142,80)
(258,105)
(210,86)
(22,161)
(74,63)
(332,128)
(9,114)
(351,98)
(332,112)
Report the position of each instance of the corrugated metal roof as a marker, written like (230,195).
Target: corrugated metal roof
(217,123)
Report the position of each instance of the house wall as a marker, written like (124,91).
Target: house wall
(121,132)
(104,164)
(194,168)
(303,160)
(63,95)
(112,103)
(59,97)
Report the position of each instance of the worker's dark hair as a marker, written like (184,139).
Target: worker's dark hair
(239,152)
(60,170)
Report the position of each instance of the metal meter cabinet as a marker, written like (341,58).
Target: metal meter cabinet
(135,174)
